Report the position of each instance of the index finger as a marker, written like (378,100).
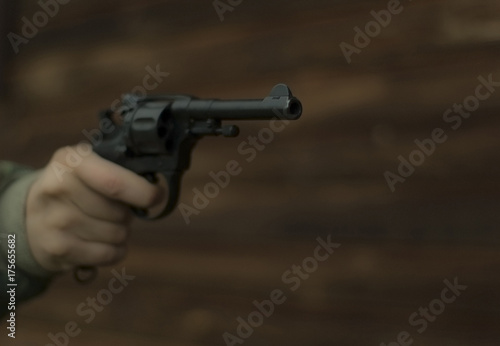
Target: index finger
(116,182)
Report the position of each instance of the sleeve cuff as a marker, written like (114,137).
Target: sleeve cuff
(13,221)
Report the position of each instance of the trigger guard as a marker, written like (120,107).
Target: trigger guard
(173,183)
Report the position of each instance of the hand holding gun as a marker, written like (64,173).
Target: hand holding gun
(83,221)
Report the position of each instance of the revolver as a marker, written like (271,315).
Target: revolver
(156,134)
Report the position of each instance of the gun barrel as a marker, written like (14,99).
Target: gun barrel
(267,108)
(279,104)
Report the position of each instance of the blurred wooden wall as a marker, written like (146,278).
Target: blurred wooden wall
(321,176)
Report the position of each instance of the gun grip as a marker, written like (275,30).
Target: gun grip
(173,180)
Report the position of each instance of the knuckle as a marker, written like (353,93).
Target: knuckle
(122,214)
(49,185)
(66,266)
(49,188)
(112,254)
(65,219)
(58,247)
(120,235)
(57,174)
(114,186)
(60,155)
(107,256)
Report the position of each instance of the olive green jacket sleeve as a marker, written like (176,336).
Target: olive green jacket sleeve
(30,277)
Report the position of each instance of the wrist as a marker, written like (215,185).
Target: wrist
(13,222)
